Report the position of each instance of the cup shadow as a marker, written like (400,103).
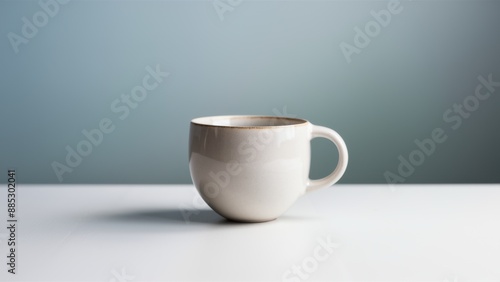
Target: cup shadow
(183,217)
(169,220)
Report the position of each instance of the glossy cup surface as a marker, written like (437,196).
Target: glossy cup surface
(250,168)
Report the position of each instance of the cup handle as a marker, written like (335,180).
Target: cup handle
(321,131)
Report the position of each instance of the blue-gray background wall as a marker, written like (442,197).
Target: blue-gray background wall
(259,57)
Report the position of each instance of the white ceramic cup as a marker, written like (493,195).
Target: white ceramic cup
(253,168)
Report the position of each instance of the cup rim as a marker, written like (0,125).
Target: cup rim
(208,121)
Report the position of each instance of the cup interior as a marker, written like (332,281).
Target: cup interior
(247,121)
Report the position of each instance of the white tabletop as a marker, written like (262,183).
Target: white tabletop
(344,233)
